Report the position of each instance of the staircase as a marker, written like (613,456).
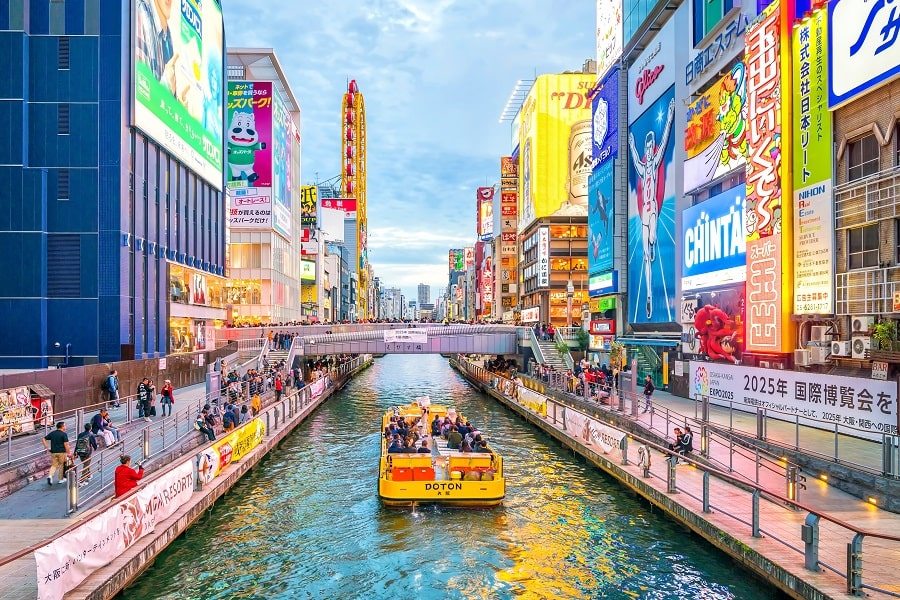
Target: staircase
(649,363)
(552,356)
(276,356)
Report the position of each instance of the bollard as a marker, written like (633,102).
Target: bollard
(644,457)
(854,566)
(809,533)
(888,445)
(268,428)
(621,396)
(760,424)
(198,485)
(704,409)
(706,492)
(624,448)
(72,491)
(145,441)
(754,527)
(9,436)
(791,476)
(704,441)
(634,406)
(671,487)
(275,416)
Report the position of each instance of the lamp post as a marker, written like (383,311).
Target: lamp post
(68,350)
(570,292)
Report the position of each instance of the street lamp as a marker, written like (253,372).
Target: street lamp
(57,345)
(570,292)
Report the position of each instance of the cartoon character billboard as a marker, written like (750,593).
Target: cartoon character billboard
(715,138)
(178,56)
(249,134)
(651,213)
(601,215)
(713,324)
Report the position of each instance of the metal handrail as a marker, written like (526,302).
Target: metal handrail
(566,356)
(430,330)
(854,549)
(536,347)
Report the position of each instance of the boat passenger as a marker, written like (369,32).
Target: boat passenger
(395,447)
(409,447)
(483,446)
(424,449)
(454,439)
(436,425)
(466,445)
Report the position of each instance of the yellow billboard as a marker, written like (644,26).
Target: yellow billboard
(231,448)
(555,147)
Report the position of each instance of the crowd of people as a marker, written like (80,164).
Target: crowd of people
(545,331)
(406,435)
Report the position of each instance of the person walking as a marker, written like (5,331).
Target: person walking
(279,387)
(57,442)
(144,396)
(85,444)
(111,386)
(648,392)
(126,478)
(167,397)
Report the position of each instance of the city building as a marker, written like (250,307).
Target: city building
(113,224)
(424,294)
(265,224)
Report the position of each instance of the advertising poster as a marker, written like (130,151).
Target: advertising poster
(766,304)
(484,200)
(307,270)
(601,218)
(555,148)
(867,406)
(178,85)
(543,257)
(609,33)
(231,448)
(309,200)
(250,208)
(249,139)
(651,213)
(813,202)
(605,119)
(713,322)
(457,260)
(283,133)
(863,52)
(714,241)
(715,139)
(469,256)
(509,172)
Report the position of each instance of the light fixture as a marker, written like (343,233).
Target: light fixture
(873,501)
(823,477)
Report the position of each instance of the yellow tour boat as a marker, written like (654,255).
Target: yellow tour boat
(441,476)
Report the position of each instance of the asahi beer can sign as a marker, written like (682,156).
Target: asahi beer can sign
(579,162)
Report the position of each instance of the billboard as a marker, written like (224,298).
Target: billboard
(768,232)
(284,132)
(469,254)
(813,204)
(346,205)
(713,324)
(484,206)
(863,52)
(509,171)
(249,134)
(178,82)
(603,283)
(601,218)
(555,148)
(249,208)
(715,139)
(714,241)
(609,34)
(309,200)
(308,270)
(605,119)
(815,399)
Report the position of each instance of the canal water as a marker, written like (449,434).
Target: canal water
(307,522)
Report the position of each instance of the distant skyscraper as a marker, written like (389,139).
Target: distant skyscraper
(424,294)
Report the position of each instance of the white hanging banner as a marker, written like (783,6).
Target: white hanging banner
(414,336)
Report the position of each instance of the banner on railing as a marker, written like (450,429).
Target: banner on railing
(864,407)
(318,387)
(607,438)
(65,562)
(231,448)
(532,401)
(411,336)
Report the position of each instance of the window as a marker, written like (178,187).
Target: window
(707,15)
(863,247)
(62,54)
(62,184)
(862,157)
(62,119)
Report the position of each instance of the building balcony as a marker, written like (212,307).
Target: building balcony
(868,291)
(867,200)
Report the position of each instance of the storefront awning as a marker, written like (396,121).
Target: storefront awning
(666,343)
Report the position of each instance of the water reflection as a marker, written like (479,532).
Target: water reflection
(307,522)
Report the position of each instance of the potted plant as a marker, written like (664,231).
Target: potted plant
(885,334)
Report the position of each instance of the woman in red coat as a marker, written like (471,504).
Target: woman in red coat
(126,477)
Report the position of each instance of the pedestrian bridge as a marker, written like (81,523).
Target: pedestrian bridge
(406,339)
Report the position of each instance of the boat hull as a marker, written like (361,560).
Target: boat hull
(450,493)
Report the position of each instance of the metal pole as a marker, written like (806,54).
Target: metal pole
(755,526)
(671,488)
(624,448)
(705,409)
(887,455)
(796,432)
(79,420)
(854,566)
(706,508)
(835,442)
(145,435)
(72,491)
(198,485)
(809,533)
(756,459)
(731,416)
(9,437)
(704,441)
(791,474)
(760,424)
(730,453)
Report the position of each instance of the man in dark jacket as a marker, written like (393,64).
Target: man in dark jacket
(144,397)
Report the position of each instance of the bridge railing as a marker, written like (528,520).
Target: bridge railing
(769,522)
(430,330)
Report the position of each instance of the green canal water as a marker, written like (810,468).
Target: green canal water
(307,523)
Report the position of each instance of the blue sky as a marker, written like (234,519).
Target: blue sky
(435,75)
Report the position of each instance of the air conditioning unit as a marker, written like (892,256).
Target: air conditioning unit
(861,323)
(802,358)
(841,348)
(818,355)
(861,345)
(819,333)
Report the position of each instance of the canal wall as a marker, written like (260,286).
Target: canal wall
(795,583)
(113,578)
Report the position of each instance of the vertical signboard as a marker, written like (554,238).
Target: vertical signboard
(813,210)
(178,82)
(609,34)
(484,205)
(601,219)
(715,139)
(283,133)
(767,238)
(543,258)
(652,183)
(309,200)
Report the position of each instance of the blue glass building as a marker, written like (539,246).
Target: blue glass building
(93,213)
